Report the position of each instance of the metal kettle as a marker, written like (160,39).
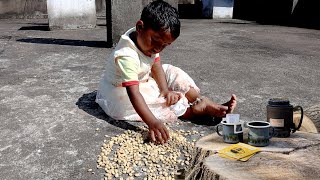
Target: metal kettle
(280,116)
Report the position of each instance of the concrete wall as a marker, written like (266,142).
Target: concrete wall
(222,8)
(101,7)
(124,15)
(35,8)
(71,14)
(23,8)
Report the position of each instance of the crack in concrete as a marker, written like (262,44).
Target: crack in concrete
(305,147)
(298,148)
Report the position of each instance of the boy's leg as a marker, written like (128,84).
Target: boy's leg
(232,103)
(179,80)
(208,107)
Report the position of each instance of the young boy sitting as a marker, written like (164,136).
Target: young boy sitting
(136,86)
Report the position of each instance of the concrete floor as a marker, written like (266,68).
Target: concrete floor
(48,81)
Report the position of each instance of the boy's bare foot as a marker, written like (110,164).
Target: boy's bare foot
(207,107)
(232,103)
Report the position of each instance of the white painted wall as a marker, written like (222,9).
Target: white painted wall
(222,12)
(222,8)
(71,14)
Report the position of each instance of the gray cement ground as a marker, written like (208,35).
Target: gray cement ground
(48,80)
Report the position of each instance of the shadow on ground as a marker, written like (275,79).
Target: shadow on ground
(234,22)
(69,42)
(87,103)
(35,28)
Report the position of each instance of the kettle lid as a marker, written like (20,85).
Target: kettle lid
(278,101)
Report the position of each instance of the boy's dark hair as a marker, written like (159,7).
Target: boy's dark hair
(159,15)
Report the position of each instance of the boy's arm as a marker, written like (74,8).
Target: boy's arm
(156,127)
(160,77)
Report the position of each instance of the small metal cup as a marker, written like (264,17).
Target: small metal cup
(260,133)
(231,132)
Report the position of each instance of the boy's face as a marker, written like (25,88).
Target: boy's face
(150,41)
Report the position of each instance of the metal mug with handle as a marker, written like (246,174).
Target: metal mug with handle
(280,116)
(231,132)
(260,133)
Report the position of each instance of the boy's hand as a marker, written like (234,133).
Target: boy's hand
(171,97)
(157,129)
(158,132)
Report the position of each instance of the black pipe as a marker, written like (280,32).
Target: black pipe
(109,23)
